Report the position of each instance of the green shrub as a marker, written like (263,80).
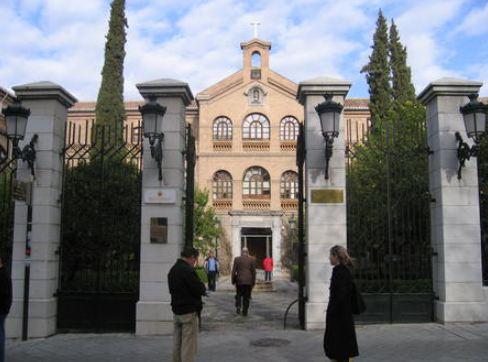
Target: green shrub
(201,274)
(294,272)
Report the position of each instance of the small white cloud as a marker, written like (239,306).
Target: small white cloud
(475,22)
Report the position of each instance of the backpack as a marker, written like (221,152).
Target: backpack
(357,301)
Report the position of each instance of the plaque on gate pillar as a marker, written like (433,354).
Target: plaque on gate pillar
(159,230)
(160,196)
(327,196)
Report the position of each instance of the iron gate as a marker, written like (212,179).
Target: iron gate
(190,161)
(8,168)
(388,204)
(482,160)
(99,267)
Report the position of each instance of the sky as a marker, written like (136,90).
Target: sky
(197,41)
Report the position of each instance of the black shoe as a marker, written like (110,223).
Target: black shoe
(244,313)
(238,310)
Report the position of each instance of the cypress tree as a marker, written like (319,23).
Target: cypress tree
(110,102)
(402,87)
(378,73)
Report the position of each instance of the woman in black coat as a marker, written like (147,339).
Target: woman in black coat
(340,342)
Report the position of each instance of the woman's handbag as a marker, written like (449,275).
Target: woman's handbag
(357,301)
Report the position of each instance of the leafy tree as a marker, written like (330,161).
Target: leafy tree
(101,228)
(388,195)
(207,227)
(403,89)
(378,73)
(110,102)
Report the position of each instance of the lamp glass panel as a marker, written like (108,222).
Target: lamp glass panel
(480,123)
(337,117)
(159,123)
(16,126)
(327,122)
(469,123)
(149,123)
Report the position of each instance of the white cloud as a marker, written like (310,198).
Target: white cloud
(198,41)
(422,31)
(475,22)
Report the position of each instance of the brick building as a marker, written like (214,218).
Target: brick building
(246,127)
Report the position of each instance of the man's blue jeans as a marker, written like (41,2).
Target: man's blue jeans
(2,337)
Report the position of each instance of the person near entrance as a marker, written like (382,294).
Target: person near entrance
(340,343)
(5,302)
(243,277)
(186,291)
(211,266)
(268,268)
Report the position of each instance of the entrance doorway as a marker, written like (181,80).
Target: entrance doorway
(258,241)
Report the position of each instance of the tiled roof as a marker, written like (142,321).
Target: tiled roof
(90,106)
(356,102)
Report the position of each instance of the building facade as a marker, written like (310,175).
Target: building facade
(246,127)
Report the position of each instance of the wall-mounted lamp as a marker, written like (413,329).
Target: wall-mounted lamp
(474,116)
(329,113)
(152,122)
(16,118)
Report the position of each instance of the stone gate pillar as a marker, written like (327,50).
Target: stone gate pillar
(48,103)
(325,214)
(455,214)
(162,199)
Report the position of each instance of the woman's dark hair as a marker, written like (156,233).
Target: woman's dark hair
(189,252)
(342,255)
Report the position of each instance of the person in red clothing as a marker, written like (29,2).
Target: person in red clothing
(268,268)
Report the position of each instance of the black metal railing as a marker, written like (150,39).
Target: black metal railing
(101,203)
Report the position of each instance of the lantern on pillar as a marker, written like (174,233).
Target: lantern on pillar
(16,118)
(474,117)
(152,122)
(329,113)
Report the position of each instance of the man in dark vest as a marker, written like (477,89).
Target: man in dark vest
(243,277)
(5,302)
(186,302)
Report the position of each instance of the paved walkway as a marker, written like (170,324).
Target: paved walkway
(226,337)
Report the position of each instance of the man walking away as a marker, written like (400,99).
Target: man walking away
(186,302)
(211,267)
(243,277)
(5,302)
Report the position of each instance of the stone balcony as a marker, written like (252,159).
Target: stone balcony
(222,204)
(289,204)
(222,145)
(288,146)
(255,145)
(256,204)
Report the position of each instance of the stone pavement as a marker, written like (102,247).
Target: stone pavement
(226,337)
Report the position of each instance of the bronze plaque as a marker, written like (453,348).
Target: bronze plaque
(21,191)
(159,230)
(328,196)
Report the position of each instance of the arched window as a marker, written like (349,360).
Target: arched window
(222,185)
(256,183)
(289,129)
(256,60)
(289,185)
(222,129)
(255,127)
